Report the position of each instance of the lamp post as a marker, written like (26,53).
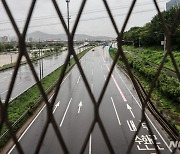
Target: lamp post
(40,61)
(68,18)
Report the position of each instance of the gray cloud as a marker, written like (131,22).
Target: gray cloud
(94,20)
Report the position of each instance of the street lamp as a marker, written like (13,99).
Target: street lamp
(68,18)
(40,61)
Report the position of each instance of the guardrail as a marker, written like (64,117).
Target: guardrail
(171,131)
(4,137)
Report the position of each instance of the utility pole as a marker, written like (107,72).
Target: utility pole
(68,18)
(39,60)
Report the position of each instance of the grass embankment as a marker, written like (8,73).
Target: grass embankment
(155,55)
(166,94)
(28,101)
(33,59)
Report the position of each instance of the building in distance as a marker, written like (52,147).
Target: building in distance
(4,39)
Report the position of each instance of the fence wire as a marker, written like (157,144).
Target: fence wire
(71,52)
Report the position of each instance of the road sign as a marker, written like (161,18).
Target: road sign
(162,42)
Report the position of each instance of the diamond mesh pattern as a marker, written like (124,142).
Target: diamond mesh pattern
(71,51)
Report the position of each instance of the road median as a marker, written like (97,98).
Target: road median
(21,108)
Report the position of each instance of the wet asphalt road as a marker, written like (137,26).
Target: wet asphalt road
(25,79)
(120,112)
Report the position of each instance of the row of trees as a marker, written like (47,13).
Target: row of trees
(153,32)
(6,47)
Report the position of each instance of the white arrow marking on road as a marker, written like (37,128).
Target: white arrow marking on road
(56,106)
(78,79)
(79,107)
(104,77)
(130,109)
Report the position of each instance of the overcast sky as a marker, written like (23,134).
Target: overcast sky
(94,20)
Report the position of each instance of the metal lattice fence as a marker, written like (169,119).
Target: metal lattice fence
(71,52)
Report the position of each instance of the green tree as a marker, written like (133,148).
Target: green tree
(2,48)
(152,33)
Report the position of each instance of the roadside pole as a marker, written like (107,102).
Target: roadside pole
(68,18)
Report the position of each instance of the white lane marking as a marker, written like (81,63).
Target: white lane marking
(90,144)
(104,77)
(130,109)
(92,72)
(51,97)
(19,83)
(4,92)
(101,67)
(116,111)
(56,106)
(145,113)
(4,77)
(65,112)
(78,79)
(27,129)
(119,89)
(103,59)
(29,126)
(35,117)
(79,107)
(131,125)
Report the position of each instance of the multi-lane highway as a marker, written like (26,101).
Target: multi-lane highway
(120,112)
(25,79)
